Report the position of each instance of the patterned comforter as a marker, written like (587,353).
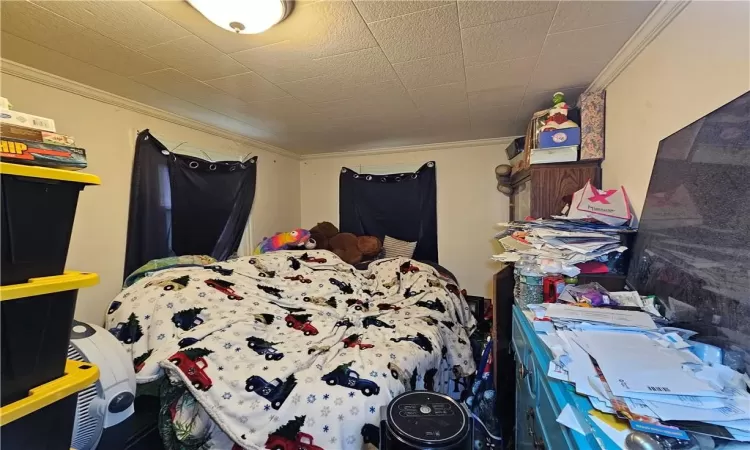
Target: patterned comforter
(293,350)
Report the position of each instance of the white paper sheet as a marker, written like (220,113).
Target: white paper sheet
(743,424)
(634,363)
(556,372)
(604,407)
(580,368)
(740,435)
(627,298)
(690,401)
(601,315)
(665,411)
(569,418)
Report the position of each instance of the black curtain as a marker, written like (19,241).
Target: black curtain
(403,206)
(180,205)
(210,204)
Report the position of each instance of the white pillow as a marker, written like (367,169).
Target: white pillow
(395,248)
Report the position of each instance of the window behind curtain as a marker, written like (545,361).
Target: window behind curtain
(170,195)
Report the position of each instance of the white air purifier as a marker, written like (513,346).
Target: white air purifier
(103,408)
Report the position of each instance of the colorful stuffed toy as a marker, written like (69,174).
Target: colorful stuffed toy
(296,239)
(557,119)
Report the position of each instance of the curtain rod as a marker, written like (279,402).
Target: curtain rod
(208,157)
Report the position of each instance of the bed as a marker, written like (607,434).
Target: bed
(290,350)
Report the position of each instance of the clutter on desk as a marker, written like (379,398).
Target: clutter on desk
(549,254)
(645,382)
(33,140)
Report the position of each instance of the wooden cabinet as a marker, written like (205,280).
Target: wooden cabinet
(539,190)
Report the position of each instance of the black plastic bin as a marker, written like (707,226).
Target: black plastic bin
(35,322)
(36,218)
(44,419)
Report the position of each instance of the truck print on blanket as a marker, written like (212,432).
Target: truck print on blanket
(192,363)
(435,305)
(309,259)
(174,284)
(263,347)
(375,322)
(275,391)
(344,376)
(276,292)
(292,365)
(345,288)
(128,332)
(225,287)
(420,339)
(301,322)
(289,437)
(355,340)
(188,318)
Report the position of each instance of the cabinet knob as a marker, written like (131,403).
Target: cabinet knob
(522,371)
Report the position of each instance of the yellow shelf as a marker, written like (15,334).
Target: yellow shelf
(77,376)
(48,173)
(48,285)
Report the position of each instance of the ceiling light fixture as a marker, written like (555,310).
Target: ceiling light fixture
(244,16)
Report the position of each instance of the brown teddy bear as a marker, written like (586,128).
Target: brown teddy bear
(350,248)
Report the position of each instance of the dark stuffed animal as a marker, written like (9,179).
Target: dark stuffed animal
(350,248)
(344,245)
(322,232)
(370,246)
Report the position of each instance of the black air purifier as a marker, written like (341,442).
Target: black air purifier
(424,420)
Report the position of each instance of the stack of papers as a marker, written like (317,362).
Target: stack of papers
(567,242)
(631,369)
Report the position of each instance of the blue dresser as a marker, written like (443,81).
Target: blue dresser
(540,399)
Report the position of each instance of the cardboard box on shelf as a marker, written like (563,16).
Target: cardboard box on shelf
(39,154)
(30,134)
(564,137)
(27,120)
(554,155)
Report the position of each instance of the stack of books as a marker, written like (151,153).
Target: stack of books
(33,140)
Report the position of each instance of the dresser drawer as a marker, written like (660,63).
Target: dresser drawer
(520,344)
(555,436)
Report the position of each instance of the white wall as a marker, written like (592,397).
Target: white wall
(468,203)
(107,133)
(698,63)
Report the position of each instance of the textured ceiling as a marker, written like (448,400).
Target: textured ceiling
(336,75)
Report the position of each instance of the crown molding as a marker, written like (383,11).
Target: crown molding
(47,79)
(504,141)
(660,17)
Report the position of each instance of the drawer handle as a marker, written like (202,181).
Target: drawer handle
(530,423)
(529,381)
(538,443)
(522,371)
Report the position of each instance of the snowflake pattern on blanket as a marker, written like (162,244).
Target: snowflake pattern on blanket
(285,351)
